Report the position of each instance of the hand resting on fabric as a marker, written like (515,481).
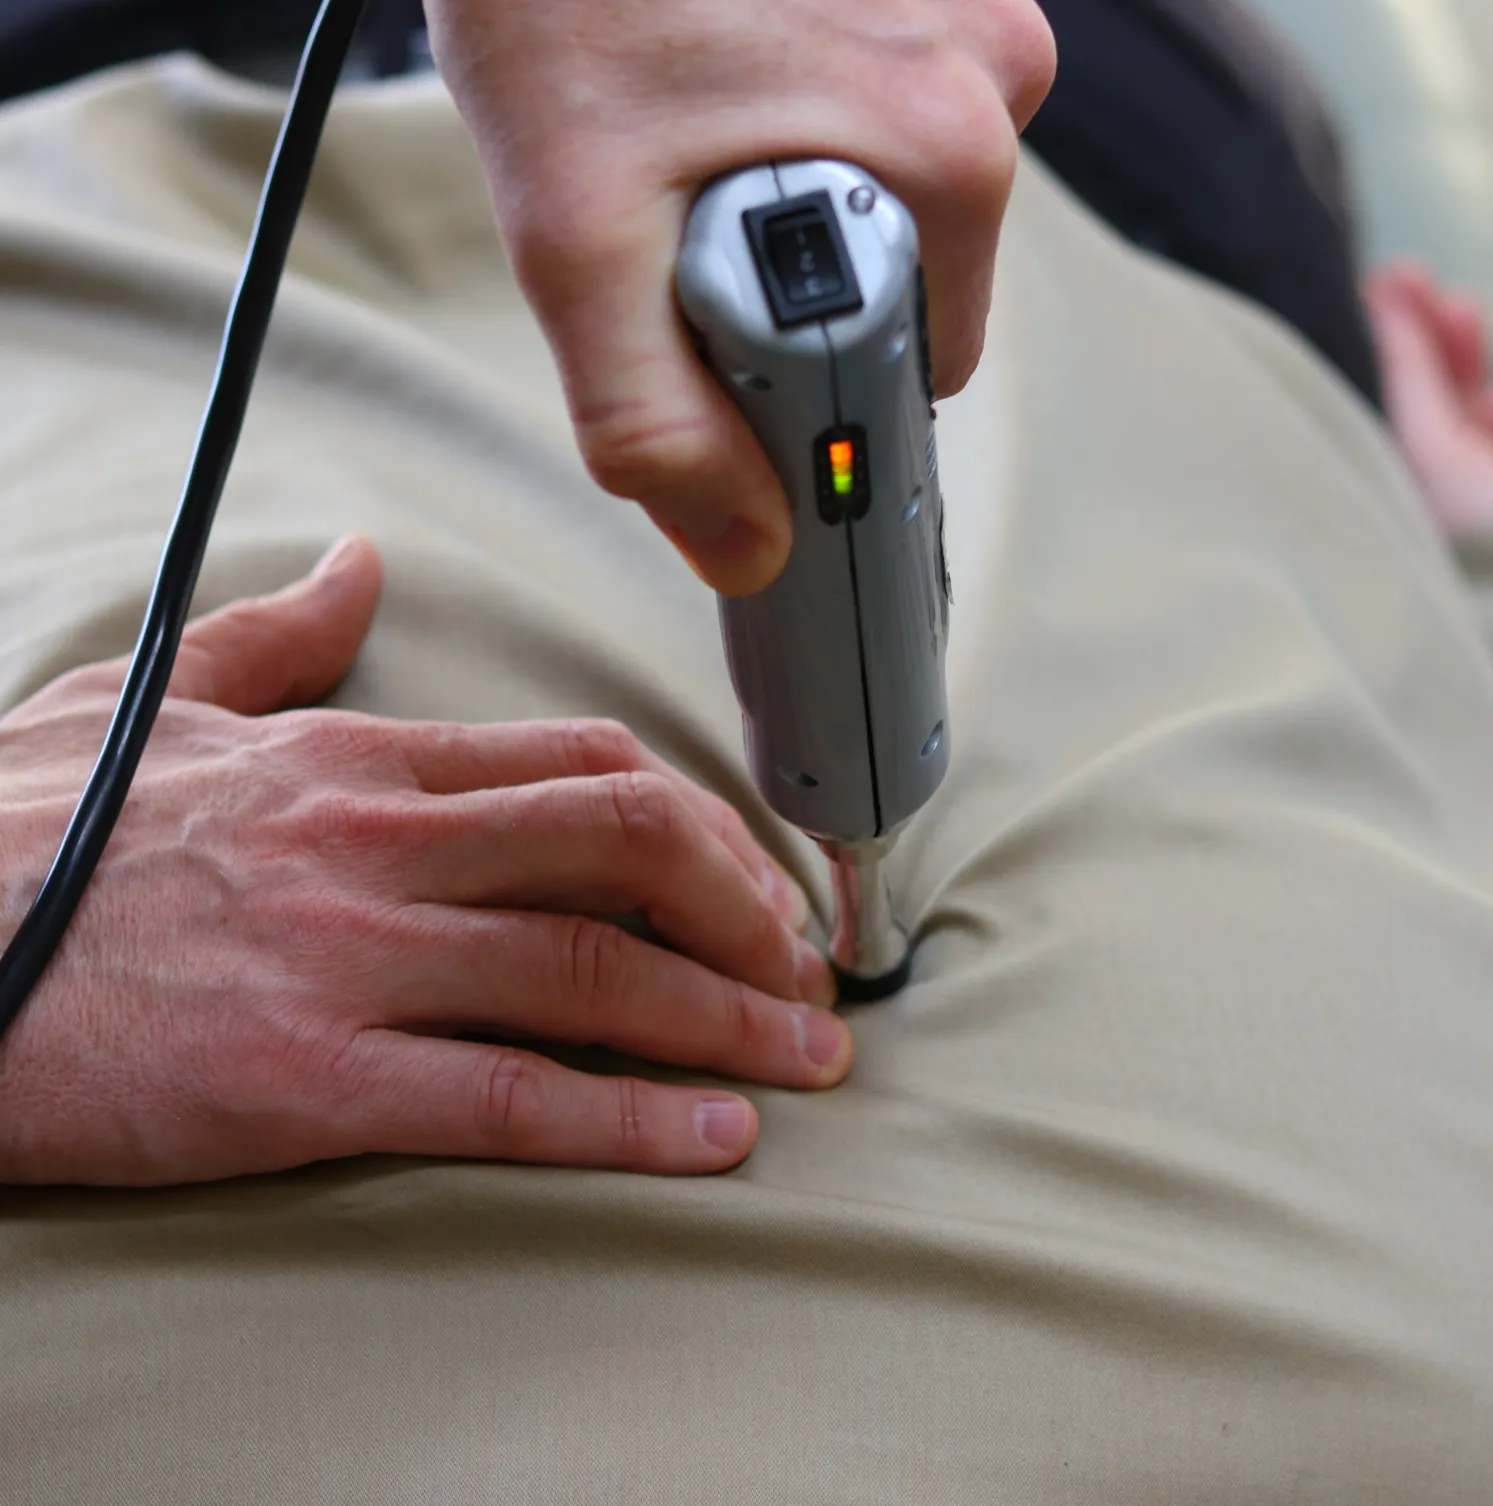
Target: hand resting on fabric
(303,912)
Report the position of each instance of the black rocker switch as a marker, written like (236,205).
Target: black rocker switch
(801,257)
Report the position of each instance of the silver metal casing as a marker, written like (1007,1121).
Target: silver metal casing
(839,665)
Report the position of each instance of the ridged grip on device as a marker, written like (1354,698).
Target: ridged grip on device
(839,665)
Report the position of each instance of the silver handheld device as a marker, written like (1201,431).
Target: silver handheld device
(802,283)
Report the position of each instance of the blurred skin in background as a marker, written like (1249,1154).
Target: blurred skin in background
(1199,133)
(1433,351)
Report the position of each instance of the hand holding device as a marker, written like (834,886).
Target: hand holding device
(598,123)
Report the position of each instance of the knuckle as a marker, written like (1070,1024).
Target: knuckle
(971,147)
(731,827)
(333,736)
(282,1050)
(767,938)
(344,826)
(347,743)
(85,685)
(437,744)
(636,1141)
(1029,52)
(511,1097)
(327,1062)
(592,961)
(250,616)
(332,818)
(649,815)
(321,929)
(635,447)
(955,364)
(573,233)
(639,1133)
(591,748)
(742,1021)
(196,671)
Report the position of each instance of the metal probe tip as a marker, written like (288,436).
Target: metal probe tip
(869,949)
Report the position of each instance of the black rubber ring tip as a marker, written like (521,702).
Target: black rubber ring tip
(855,989)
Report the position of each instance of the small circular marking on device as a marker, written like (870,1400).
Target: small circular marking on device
(935,741)
(914,507)
(797,777)
(753,380)
(861,200)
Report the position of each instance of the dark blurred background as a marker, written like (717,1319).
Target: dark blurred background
(1183,123)
(47,42)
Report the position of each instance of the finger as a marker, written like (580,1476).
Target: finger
(1420,394)
(1405,282)
(407,1095)
(451,759)
(616,845)
(458,759)
(1415,288)
(264,653)
(652,424)
(954,172)
(784,893)
(1405,275)
(1464,341)
(569,978)
(1017,48)
(1454,321)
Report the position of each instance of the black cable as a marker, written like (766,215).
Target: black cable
(41,932)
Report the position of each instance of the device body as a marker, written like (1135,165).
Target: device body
(802,283)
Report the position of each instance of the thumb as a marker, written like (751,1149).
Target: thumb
(652,423)
(267,652)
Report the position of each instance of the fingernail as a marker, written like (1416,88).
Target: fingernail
(336,556)
(722,1123)
(816,982)
(821,1036)
(730,555)
(785,896)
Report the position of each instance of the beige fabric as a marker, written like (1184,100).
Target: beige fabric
(1170,1180)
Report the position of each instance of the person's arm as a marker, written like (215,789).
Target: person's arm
(598,121)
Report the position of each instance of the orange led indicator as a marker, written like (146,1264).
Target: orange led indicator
(842,466)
